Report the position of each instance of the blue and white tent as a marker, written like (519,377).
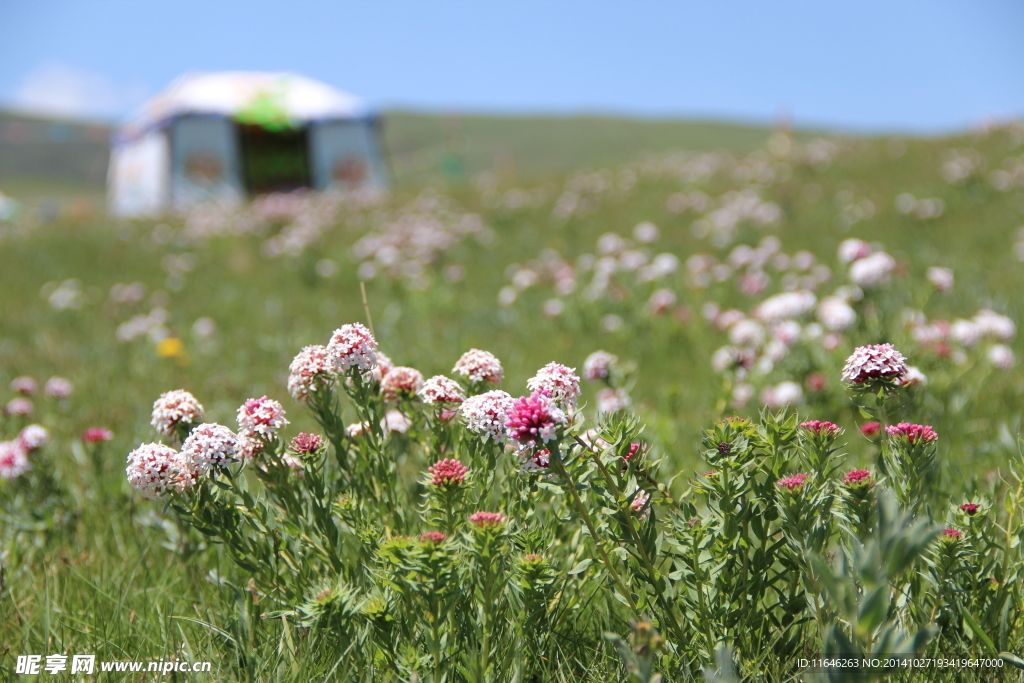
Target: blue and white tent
(227,136)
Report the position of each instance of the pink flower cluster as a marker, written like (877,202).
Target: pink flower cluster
(175,408)
(309,371)
(155,469)
(485,520)
(479,366)
(383,367)
(794,483)
(306,444)
(857,478)
(598,365)
(57,387)
(24,385)
(817,427)
(439,390)
(951,535)
(94,435)
(559,382)
(639,504)
(14,460)
(870,429)
(401,381)
(912,433)
(19,407)
(352,346)
(875,361)
(447,472)
(434,538)
(259,421)
(970,508)
(535,418)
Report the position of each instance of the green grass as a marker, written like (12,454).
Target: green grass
(532,146)
(96,579)
(421,147)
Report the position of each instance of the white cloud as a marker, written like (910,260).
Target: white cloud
(58,89)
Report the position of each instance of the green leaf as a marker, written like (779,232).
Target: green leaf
(227,636)
(548,486)
(976,628)
(580,567)
(279,614)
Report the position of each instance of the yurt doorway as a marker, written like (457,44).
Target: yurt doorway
(273,160)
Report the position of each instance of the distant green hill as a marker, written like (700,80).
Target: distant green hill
(43,156)
(530,145)
(49,157)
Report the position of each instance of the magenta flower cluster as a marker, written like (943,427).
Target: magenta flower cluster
(306,444)
(96,435)
(857,478)
(534,419)
(447,472)
(486,520)
(818,427)
(794,483)
(912,433)
(434,538)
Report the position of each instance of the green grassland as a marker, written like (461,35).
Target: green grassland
(57,158)
(106,575)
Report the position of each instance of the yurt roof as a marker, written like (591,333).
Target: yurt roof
(231,93)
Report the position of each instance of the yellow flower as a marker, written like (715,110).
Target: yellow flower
(172,347)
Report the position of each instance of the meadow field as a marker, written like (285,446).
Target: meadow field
(732,490)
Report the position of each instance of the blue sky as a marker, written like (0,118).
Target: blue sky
(865,65)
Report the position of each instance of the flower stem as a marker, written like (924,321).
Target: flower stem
(556,461)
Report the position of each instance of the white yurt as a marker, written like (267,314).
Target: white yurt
(228,136)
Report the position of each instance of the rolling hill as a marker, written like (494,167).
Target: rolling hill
(50,157)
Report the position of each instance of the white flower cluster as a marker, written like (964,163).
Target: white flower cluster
(872,271)
(598,365)
(876,361)
(487,414)
(155,469)
(209,445)
(479,366)
(352,346)
(440,389)
(309,371)
(612,400)
(782,394)
(786,306)
(174,408)
(836,314)
(560,383)
(34,437)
